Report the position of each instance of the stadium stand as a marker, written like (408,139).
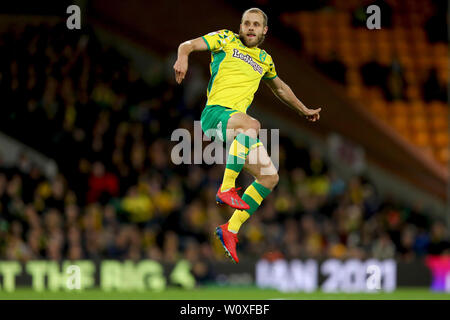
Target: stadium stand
(118,195)
(399,72)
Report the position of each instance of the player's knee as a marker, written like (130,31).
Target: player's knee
(273,179)
(252,128)
(256,125)
(269,180)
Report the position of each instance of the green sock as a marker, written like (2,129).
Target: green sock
(253,196)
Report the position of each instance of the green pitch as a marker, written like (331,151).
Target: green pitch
(222,293)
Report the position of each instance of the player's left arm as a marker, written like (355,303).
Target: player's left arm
(283,92)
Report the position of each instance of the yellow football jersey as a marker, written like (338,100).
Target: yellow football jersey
(236,70)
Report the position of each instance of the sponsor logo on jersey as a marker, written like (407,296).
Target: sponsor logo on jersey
(248,59)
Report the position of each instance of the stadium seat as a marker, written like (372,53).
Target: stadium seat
(443,155)
(401,123)
(417,108)
(413,92)
(439,123)
(326,32)
(398,108)
(421,139)
(440,139)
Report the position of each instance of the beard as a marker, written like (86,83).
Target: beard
(259,39)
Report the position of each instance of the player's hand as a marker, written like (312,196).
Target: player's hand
(312,114)
(180,67)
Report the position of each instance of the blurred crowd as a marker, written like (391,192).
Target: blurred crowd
(119,196)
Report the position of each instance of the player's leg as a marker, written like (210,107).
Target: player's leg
(243,131)
(240,122)
(260,166)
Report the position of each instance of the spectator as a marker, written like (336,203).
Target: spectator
(395,86)
(436,25)
(102,185)
(333,67)
(383,247)
(432,89)
(406,248)
(359,16)
(439,243)
(373,73)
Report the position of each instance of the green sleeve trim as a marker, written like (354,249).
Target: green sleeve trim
(270,78)
(204,39)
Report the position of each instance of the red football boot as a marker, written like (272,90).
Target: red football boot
(231,198)
(228,240)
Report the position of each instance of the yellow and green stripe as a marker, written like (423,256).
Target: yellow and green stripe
(254,195)
(217,58)
(237,154)
(239,150)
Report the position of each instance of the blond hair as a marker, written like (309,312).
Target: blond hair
(256,10)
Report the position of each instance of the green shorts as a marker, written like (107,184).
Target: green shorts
(214,120)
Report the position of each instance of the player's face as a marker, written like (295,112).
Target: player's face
(252,30)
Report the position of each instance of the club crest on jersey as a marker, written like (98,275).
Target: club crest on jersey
(262,55)
(248,59)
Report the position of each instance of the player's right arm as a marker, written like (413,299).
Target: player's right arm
(184,49)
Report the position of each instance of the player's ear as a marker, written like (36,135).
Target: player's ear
(266,28)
